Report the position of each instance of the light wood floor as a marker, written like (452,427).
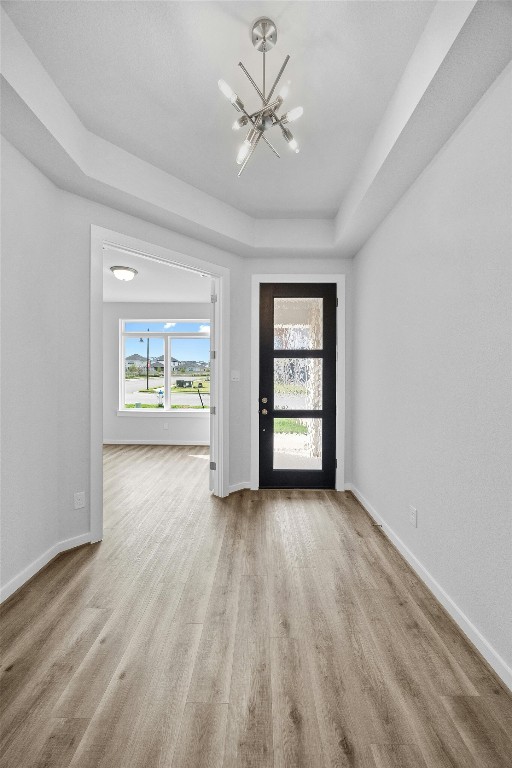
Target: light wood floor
(271,628)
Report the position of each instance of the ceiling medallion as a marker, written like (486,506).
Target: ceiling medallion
(264,37)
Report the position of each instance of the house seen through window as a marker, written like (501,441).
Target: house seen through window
(165,364)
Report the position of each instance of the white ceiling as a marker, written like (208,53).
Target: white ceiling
(155,282)
(143,75)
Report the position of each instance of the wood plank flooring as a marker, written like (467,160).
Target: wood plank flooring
(272,629)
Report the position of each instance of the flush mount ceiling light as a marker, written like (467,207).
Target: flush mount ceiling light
(124,273)
(264,37)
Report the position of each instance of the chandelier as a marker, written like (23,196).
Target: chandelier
(264,37)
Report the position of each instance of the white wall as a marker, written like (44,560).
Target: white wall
(43,306)
(182,429)
(432,372)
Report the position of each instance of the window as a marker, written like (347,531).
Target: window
(165,364)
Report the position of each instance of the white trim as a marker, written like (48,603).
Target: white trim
(219,438)
(156,442)
(27,573)
(473,634)
(339,279)
(162,334)
(239,486)
(96,386)
(167,375)
(164,319)
(219,398)
(142,413)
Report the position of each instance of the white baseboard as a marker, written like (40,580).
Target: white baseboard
(156,442)
(23,576)
(493,658)
(239,486)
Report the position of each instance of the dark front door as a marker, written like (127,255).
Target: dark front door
(297,403)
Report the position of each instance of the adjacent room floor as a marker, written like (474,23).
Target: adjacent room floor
(271,628)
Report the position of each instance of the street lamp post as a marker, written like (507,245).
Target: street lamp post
(147,362)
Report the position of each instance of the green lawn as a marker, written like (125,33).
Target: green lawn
(150,405)
(143,405)
(191,406)
(289,426)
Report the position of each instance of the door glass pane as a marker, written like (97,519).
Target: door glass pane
(298,323)
(144,372)
(298,383)
(190,374)
(297,443)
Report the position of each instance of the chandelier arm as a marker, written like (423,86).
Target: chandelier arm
(285,62)
(274,115)
(267,142)
(260,94)
(274,150)
(251,81)
(251,152)
(275,105)
(264,101)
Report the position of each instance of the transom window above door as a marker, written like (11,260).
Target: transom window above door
(164,365)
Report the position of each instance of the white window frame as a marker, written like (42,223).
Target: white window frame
(168,336)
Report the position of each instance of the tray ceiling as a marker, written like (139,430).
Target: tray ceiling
(143,75)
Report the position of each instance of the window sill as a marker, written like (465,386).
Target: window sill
(140,413)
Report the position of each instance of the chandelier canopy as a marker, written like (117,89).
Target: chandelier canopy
(264,37)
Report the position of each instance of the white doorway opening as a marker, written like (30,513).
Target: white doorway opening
(218,278)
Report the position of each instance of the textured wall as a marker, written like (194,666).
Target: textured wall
(432,368)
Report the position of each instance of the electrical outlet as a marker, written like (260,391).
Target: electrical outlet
(413,516)
(80,500)
(166,425)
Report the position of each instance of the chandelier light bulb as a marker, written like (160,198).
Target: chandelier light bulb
(243,152)
(294,114)
(227,91)
(293,145)
(284,92)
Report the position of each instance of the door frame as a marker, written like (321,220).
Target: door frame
(339,280)
(219,439)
